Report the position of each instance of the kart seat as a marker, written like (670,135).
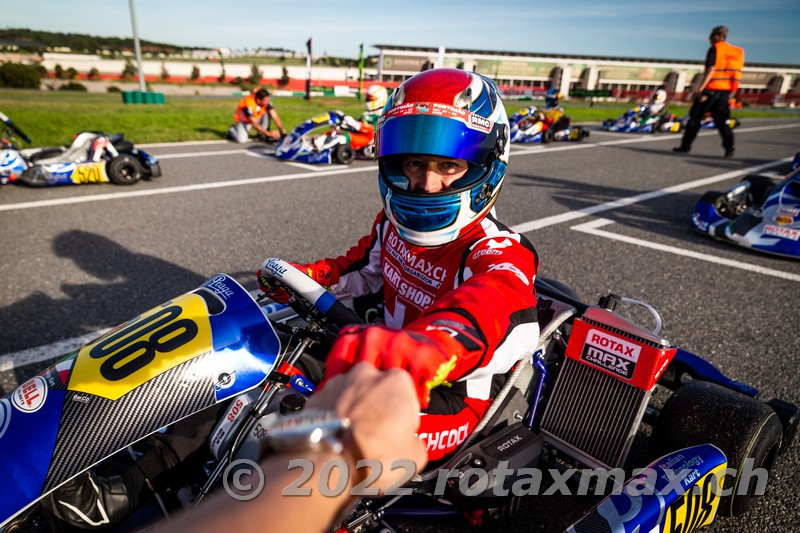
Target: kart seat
(76,153)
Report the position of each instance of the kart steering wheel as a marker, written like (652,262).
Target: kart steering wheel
(321,299)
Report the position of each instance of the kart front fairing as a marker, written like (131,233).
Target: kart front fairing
(314,140)
(772,227)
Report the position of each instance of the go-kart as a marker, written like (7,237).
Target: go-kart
(637,120)
(528,125)
(577,401)
(325,138)
(93,157)
(759,213)
(708,122)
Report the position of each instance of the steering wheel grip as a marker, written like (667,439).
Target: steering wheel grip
(311,291)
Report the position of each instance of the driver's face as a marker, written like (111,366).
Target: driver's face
(430,173)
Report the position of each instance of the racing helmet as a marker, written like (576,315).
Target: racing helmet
(659,97)
(376,97)
(448,113)
(552,97)
(658,101)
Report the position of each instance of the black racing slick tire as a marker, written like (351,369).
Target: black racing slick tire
(760,187)
(547,136)
(344,154)
(742,427)
(125,170)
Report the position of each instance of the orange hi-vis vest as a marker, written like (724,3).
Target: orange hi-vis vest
(248,101)
(728,68)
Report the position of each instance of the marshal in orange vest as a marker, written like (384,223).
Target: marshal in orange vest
(728,67)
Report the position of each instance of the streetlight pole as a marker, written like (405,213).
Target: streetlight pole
(137,48)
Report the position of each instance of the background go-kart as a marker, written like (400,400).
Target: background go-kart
(608,214)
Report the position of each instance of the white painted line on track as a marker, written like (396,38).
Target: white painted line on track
(181,188)
(533,225)
(48,351)
(591,229)
(182,143)
(641,138)
(183,155)
(262,155)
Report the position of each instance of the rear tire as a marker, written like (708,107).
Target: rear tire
(547,136)
(125,170)
(344,154)
(760,187)
(742,427)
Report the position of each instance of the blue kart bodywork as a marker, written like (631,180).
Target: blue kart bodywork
(526,127)
(757,213)
(302,144)
(635,121)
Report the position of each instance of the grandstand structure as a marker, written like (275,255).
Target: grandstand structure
(530,74)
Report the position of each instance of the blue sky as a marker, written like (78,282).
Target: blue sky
(669,29)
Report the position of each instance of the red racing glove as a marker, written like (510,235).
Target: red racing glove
(319,272)
(419,353)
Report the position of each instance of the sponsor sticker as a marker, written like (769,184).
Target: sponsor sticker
(791,211)
(611,353)
(31,395)
(783,232)
(783,220)
(472,121)
(5,416)
(485,251)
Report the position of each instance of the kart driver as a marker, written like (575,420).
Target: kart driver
(457,285)
(255,111)
(362,131)
(554,114)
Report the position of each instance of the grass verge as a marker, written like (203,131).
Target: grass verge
(52,118)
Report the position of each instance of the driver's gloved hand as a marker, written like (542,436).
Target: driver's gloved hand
(423,354)
(351,123)
(319,272)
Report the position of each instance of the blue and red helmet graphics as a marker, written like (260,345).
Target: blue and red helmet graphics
(447,113)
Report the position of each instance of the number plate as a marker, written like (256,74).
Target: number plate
(138,350)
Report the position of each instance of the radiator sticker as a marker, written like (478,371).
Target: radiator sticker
(611,353)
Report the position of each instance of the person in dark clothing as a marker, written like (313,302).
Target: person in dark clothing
(723,72)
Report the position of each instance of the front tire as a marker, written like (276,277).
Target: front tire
(742,427)
(125,170)
(547,136)
(344,154)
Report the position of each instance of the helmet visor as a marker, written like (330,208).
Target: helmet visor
(436,129)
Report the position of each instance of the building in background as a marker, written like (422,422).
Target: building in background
(530,74)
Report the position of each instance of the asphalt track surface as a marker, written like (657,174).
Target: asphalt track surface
(609,214)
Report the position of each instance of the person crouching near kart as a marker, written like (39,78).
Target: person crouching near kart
(457,285)
(362,132)
(255,111)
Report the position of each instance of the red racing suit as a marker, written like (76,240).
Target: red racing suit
(479,287)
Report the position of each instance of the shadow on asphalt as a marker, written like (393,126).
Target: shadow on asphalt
(123,284)
(222,134)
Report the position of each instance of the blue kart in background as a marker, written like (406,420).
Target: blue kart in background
(321,139)
(637,120)
(759,213)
